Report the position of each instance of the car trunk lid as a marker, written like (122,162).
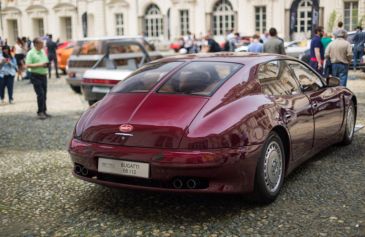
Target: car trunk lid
(158,120)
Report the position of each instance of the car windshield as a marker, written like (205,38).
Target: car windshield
(199,78)
(145,78)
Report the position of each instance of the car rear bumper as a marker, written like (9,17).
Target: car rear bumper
(91,94)
(226,170)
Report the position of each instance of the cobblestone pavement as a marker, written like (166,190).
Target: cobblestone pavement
(40,197)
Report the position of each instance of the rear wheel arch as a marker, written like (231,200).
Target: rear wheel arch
(284,136)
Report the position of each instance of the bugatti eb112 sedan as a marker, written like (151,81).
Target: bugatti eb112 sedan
(212,123)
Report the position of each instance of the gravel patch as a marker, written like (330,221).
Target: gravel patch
(40,197)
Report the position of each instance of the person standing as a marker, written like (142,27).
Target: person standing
(339,28)
(255,46)
(20,52)
(52,56)
(317,50)
(37,62)
(274,44)
(340,53)
(231,41)
(358,50)
(326,40)
(211,45)
(7,73)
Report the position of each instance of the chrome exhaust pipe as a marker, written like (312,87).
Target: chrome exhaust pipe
(84,171)
(78,169)
(191,183)
(177,183)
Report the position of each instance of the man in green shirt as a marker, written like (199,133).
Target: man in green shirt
(37,63)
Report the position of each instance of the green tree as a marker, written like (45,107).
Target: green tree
(331,21)
(360,23)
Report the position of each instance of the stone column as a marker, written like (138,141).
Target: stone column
(99,17)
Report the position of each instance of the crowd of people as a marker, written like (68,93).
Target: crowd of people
(333,55)
(330,54)
(267,42)
(28,60)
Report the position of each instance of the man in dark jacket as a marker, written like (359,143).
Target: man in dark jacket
(52,56)
(212,45)
(359,41)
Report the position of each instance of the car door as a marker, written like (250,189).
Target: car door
(327,105)
(294,107)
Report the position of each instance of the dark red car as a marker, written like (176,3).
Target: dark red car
(212,123)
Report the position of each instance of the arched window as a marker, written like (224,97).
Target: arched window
(223,17)
(304,17)
(153,22)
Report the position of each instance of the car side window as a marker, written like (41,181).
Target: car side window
(275,79)
(308,80)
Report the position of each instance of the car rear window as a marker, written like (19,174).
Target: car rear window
(145,78)
(199,78)
(123,55)
(88,47)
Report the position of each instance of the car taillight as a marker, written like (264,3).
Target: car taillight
(99,81)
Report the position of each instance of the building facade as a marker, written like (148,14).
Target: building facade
(169,19)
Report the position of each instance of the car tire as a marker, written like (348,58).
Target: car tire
(350,125)
(270,170)
(91,102)
(76,89)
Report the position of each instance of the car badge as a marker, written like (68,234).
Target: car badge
(126,128)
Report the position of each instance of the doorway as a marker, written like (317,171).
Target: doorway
(38,27)
(66,28)
(13,32)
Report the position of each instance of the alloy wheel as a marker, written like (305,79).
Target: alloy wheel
(273,166)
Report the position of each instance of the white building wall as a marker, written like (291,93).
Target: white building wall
(102,15)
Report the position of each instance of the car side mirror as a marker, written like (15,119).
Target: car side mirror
(333,81)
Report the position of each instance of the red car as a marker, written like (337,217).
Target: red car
(212,123)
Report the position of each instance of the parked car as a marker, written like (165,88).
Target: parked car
(88,52)
(212,123)
(122,57)
(296,48)
(64,52)
(305,56)
(292,48)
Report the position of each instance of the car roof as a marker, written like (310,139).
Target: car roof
(111,38)
(232,57)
